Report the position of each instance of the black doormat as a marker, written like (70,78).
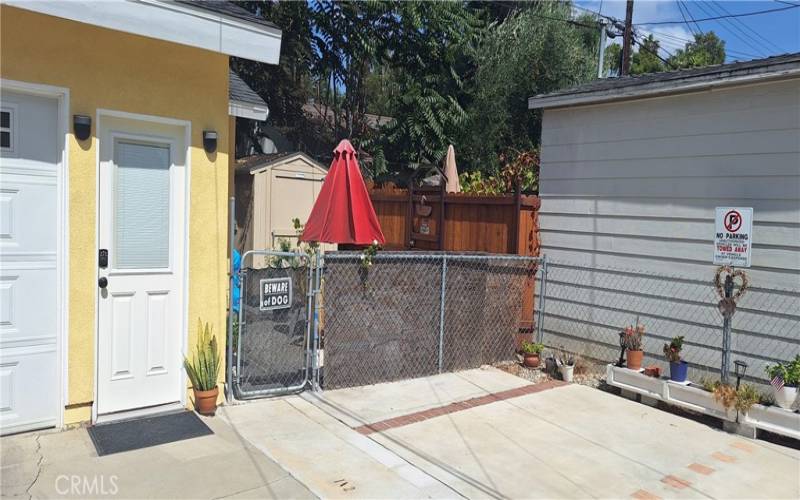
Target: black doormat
(116,437)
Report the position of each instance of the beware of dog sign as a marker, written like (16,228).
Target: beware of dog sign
(276,293)
(733,236)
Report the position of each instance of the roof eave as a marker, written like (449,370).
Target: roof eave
(257,169)
(171,22)
(657,89)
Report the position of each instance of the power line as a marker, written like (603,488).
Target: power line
(685,40)
(681,7)
(733,30)
(647,49)
(745,14)
(751,30)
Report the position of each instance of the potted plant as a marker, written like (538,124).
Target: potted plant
(203,370)
(632,340)
(677,367)
(785,377)
(566,365)
(531,352)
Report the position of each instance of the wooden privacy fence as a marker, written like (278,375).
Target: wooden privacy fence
(428,219)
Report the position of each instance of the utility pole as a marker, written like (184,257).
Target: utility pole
(602,51)
(627,39)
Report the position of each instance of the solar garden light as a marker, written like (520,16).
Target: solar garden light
(740,367)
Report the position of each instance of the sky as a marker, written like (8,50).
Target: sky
(746,38)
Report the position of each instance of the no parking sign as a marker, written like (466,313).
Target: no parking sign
(733,236)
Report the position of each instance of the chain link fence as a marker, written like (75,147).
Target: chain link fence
(416,314)
(587,307)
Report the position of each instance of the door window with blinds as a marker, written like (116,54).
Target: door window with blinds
(141,205)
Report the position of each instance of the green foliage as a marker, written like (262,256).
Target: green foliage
(530,52)
(429,54)
(532,348)
(646,59)
(203,369)
(673,350)
(789,371)
(285,87)
(705,50)
(369,253)
(522,168)
(612,59)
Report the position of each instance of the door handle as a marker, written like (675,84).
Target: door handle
(102,282)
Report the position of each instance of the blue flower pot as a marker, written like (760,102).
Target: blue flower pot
(678,371)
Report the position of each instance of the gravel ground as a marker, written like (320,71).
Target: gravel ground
(591,375)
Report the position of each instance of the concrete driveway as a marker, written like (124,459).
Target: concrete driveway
(487,434)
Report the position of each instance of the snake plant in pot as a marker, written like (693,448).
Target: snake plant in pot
(678,368)
(203,370)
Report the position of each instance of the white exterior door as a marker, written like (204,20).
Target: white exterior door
(141,226)
(30,156)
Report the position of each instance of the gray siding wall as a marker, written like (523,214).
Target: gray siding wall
(628,195)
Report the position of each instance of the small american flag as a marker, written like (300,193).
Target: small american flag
(777,382)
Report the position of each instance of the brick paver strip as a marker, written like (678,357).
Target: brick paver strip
(423,415)
(644,495)
(701,469)
(749,448)
(676,482)
(723,457)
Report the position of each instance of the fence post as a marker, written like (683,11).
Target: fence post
(542,291)
(441,312)
(726,335)
(231,280)
(315,329)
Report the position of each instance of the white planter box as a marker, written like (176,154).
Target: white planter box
(697,400)
(768,418)
(774,419)
(634,381)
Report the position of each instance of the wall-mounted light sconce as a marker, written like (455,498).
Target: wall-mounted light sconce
(210,140)
(82,126)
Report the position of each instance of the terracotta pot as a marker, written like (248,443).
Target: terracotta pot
(531,360)
(206,401)
(634,359)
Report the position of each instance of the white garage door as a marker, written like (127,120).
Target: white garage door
(29,158)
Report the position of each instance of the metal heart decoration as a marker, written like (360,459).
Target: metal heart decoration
(739,278)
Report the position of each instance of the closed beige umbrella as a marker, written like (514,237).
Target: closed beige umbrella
(451,172)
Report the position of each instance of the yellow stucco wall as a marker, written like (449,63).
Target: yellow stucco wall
(123,72)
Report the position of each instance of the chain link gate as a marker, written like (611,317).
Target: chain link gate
(273,345)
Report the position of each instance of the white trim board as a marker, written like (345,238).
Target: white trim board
(247,110)
(62,238)
(177,23)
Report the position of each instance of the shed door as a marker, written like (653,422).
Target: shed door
(293,191)
(29,162)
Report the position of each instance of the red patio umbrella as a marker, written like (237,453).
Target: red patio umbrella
(343,212)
